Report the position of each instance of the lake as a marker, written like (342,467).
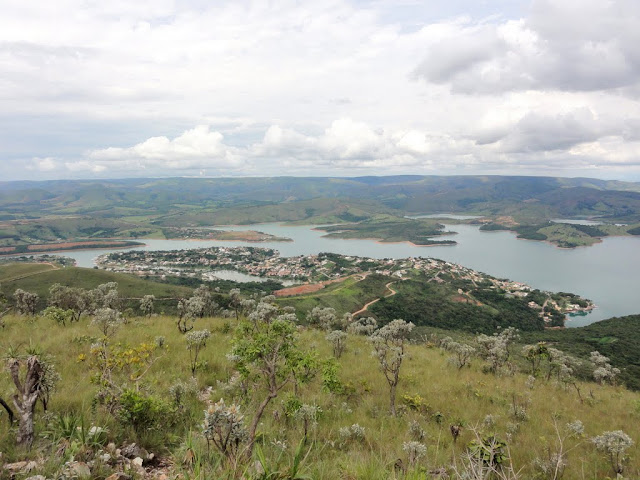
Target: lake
(606,272)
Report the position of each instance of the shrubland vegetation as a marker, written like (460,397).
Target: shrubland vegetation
(240,387)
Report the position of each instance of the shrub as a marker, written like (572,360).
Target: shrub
(196,341)
(58,315)
(224,427)
(143,412)
(337,338)
(107,320)
(415,451)
(614,444)
(388,349)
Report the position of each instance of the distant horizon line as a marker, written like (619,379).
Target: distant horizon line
(220,177)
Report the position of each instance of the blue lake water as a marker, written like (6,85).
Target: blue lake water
(607,272)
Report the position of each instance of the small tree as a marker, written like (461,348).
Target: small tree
(338,340)
(614,445)
(76,300)
(536,355)
(206,305)
(224,427)
(235,301)
(363,326)
(495,348)
(308,416)
(322,318)
(58,315)
(36,383)
(265,350)
(196,341)
(415,451)
(462,353)
(185,316)
(25,302)
(146,304)
(107,320)
(603,371)
(388,347)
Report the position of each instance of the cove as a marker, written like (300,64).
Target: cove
(606,272)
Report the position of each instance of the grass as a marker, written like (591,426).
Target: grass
(450,396)
(129,286)
(346,296)
(16,271)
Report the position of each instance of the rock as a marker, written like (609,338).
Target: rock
(137,461)
(105,458)
(132,451)
(119,476)
(36,477)
(30,466)
(79,469)
(14,467)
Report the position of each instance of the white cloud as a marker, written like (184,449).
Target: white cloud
(45,164)
(195,149)
(573,45)
(318,87)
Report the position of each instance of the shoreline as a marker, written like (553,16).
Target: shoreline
(62,250)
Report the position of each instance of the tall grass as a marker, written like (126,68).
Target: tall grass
(447,396)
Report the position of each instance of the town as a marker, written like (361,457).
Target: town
(261,263)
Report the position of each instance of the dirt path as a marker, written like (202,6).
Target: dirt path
(367,305)
(307,288)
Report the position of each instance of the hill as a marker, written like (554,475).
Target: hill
(617,338)
(37,212)
(350,435)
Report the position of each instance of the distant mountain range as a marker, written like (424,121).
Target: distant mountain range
(524,198)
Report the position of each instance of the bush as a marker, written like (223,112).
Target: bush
(142,412)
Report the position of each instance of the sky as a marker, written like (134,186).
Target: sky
(157,88)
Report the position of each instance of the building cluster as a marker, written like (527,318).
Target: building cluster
(267,263)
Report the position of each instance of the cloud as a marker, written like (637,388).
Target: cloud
(573,45)
(571,143)
(195,149)
(285,87)
(539,133)
(45,164)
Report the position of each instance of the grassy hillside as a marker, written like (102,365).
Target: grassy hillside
(616,338)
(346,296)
(129,286)
(16,271)
(433,394)
(429,303)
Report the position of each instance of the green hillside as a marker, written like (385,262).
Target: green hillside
(531,418)
(129,286)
